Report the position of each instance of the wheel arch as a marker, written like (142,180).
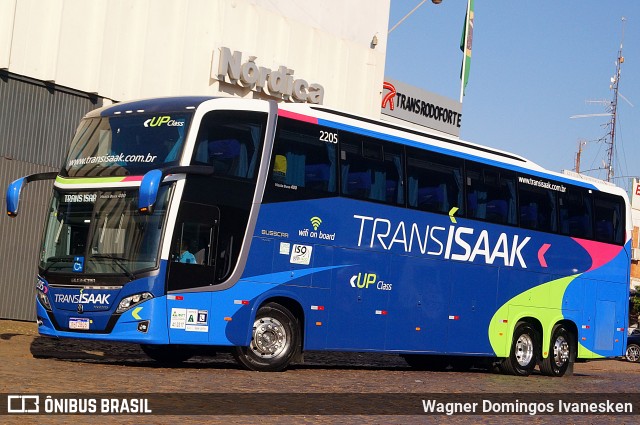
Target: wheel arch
(533,321)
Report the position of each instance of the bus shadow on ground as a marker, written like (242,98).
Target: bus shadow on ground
(122,354)
(127,354)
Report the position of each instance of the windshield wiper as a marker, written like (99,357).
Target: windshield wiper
(118,261)
(56,260)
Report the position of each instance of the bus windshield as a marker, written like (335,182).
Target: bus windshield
(126,145)
(101,232)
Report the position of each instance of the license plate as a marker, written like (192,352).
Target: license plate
(75,323)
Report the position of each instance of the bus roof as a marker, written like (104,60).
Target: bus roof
(152,105)
(437,139)
(391,131)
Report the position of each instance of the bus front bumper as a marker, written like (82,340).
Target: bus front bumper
(144,323)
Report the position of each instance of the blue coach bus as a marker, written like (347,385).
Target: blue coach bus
(270,230)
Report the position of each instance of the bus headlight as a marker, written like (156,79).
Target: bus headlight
(44,300)
(132,300)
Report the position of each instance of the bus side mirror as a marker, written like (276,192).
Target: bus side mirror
(14,189)
(13,196)
(150,183)
(149,191)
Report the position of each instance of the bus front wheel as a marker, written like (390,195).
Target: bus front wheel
(560,353)
(523,354)
(275,340)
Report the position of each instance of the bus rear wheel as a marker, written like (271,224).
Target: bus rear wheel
(560,353)
(168,354)
(523,354)
(275,340)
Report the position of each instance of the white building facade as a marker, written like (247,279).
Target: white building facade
(61,58)
(124,50)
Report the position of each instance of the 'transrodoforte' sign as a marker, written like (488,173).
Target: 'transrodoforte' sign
(278,83)
(417,106)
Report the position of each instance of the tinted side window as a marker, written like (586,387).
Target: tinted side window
(491,194)
(609,218)
(434,182)
(303,163)
(371,169)
(230,141)
(193,247)
(575,213)
(537,208)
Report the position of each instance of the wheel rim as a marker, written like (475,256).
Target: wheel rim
(633,353)
(560,351)
(524,350)
(269,338)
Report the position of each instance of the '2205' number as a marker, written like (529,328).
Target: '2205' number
(327,136)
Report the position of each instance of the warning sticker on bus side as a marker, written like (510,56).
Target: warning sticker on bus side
(178,318)
(301,254)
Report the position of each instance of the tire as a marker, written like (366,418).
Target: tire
(275,340)
(633,353)
(523,354)
(561,353)
(168,354)
(427,362)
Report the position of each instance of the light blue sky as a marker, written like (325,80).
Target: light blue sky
(534,64)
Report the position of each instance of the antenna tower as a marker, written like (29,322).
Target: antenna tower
(612,111)
(615,82)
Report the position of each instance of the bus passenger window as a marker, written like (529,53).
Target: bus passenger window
(537,206)
(434,182)
(229,144)
(303,165)
(228,157)
(575,213)
(491,194)
(371,169)
(609,221)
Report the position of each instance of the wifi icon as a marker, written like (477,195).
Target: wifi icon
(316,222)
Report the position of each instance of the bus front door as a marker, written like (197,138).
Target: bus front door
(192,267)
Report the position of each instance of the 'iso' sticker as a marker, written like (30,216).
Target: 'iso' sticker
(301,254)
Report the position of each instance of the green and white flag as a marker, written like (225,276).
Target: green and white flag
(465,45)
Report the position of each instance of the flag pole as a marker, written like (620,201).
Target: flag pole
(406,16)
(464,52)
